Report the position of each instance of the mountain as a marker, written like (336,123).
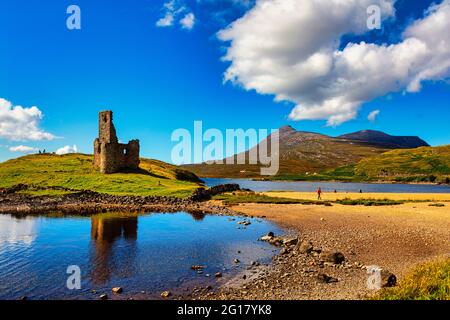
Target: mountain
(309,153)
(385,140)
(424,164)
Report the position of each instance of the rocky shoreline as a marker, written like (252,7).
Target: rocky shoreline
(86,202)
(300,271)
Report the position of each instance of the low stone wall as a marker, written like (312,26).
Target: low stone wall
(90,202)
(202,194)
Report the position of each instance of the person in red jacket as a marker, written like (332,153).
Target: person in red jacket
(319,193)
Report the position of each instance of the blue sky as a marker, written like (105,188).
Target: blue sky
(158,79)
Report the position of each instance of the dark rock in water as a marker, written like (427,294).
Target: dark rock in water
(236,261)
(197,268)
(117,290)
(326,278)
(103,297)
(218,275)
(305,247)
(334,257)
(270,234)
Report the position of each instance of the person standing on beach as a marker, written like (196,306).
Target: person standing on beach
(319,193)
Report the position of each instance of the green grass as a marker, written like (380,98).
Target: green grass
(430,281)
(422,165)
(76,172)
(437,205)
(250,197)
(369,202)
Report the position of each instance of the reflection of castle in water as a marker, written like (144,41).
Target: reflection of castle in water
(114,248)
(107,257)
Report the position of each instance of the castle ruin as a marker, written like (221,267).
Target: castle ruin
(110,156)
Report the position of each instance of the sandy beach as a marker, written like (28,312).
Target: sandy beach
(331,196)
(396,238)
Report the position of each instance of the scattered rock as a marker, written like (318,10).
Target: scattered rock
(166,294)
(103,296)
(335,257)
(117,290)
(197,268)
(326,278)
(290,241)
(245,222)
(218,275)
(237,261)
(305,247)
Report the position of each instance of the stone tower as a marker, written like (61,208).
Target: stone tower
(110,156)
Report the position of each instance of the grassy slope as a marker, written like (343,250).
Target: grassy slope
(425,164)
(429,281)
(75,171)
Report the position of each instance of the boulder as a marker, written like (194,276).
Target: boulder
(290,241)
(388,279)
(334,257)
(117,290)
(166,294)
(326,278)
(305,247)
(266,238)
(197,268)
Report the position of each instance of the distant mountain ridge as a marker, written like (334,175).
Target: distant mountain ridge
(384,139)
(309,153)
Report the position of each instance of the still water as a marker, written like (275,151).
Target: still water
(144,254)
(308,186)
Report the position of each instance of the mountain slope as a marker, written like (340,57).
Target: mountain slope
(76,172)
(385,140)
(424,164)
(301,153)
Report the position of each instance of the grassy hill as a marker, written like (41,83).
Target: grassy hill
(75,171)
(424,164)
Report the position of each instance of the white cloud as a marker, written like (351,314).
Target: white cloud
(284,48)
(171,11)
(373,115)
(188,21)
(19,124)
(23,149)
(66,150)
(166,21)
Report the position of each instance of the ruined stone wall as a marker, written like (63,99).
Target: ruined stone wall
(110,156)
